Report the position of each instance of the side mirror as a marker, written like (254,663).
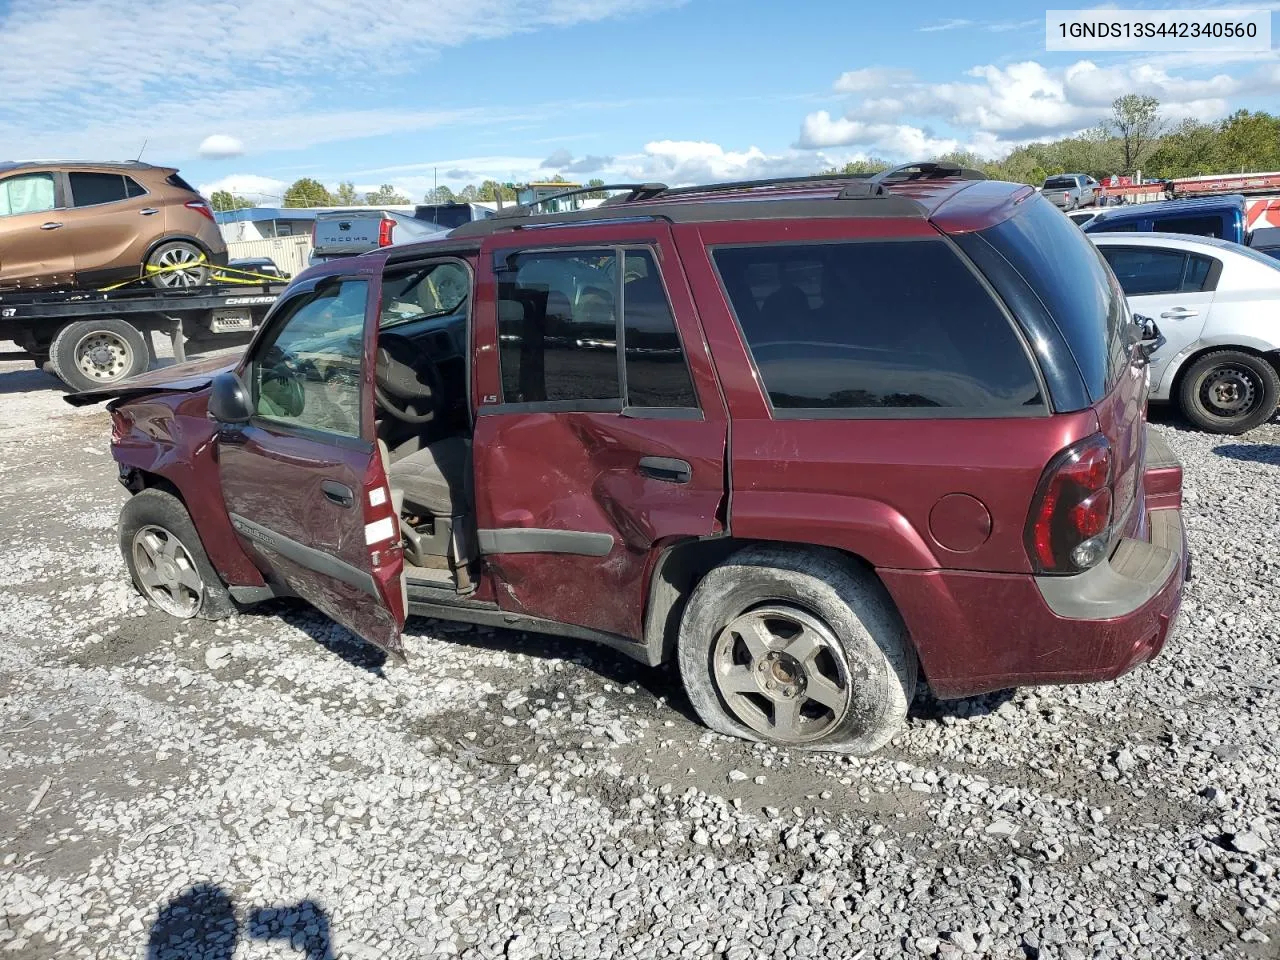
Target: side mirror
(1150,339)
(229,400)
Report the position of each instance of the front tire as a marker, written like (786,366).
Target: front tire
(177,264)
(166,559)
(797,648)
(1229,391)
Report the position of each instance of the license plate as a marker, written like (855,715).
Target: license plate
(230,321)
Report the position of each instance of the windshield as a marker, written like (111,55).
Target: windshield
(437,290)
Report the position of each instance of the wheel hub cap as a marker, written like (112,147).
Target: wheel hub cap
(782,672)
(166,572)
(1229,392)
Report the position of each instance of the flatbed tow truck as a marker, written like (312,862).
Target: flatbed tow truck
(90,338)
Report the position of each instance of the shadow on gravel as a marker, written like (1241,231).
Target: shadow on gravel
(928,707)
(1251,452)
(660,682)
(28,381)
(337,640)
(201,924)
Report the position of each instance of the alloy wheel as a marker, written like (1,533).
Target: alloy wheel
(166,572)
(782,672)
(181,267)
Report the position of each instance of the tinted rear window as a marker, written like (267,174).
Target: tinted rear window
(1060,183)
(1072,281)
(876,326)
(176,181)
(91,189)
(447,216)
(1196,226)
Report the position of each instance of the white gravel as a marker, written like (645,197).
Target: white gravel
(265,787)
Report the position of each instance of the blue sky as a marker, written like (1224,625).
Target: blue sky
(251,94)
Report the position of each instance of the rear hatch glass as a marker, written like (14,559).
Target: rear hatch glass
(1080,293)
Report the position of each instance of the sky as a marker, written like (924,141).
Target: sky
(250,95)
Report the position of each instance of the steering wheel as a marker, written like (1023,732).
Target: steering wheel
(406,380)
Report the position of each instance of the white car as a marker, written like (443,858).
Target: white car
(1217,305)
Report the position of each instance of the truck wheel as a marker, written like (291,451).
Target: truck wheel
(1229,391)
(94,353)
(797,648)
(181,264)
(166,559)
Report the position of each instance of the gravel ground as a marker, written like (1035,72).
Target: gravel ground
(266,787)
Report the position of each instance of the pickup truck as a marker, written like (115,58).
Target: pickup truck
(345,233)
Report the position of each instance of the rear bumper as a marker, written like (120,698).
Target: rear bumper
(977,632)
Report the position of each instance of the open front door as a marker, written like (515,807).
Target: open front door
(303,480)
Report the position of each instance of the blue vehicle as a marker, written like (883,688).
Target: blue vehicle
(1222,217)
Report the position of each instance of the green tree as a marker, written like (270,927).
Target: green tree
(1188,150)
(385,195)
(1248,142)
(440,194)
(596,194)
(226,200)
(856,167)
(469,194)
(1135,118)
(491,190)
(346,195)
(307,193)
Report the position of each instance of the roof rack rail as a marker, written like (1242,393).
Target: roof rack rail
(635,191)
(873,186)
(732,186)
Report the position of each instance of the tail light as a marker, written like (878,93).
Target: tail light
(1069,528)
(384,232)
(202,208)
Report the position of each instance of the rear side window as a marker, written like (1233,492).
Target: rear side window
(564,319)
(1145,271)
(1069,276)
(1196,226)
(878,328)
(176,181)
(91,189)
(133,188)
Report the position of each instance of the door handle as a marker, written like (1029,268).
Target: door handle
(1177,313)
(148,211)
(51,225)
(339,493)
(665,469)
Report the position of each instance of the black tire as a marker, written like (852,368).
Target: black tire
(867,641)
(159,510)
(97,353)
(172,254)
(1229,391)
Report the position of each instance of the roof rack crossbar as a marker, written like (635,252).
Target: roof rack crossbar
(635,191)
(927,170)
(735,185)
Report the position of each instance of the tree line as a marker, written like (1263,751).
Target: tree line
(1135,137)
(307,192)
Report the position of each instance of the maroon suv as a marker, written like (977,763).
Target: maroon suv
(805,437)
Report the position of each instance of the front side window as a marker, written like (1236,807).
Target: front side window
(875,327)
(307,374)
(29,193)
(91,189)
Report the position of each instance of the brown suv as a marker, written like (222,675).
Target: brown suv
(73,224)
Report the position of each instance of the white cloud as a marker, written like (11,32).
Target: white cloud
(263,191)
(145,63)
(993,108)
(219,146)
(871,78)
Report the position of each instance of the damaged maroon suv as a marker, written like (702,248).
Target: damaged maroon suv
(812,440)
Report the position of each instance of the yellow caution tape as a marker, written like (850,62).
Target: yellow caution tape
(220,274)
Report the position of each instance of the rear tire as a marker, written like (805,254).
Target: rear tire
(797,648)
(167,561)
(97,353)
(1229,391)
(184,265)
